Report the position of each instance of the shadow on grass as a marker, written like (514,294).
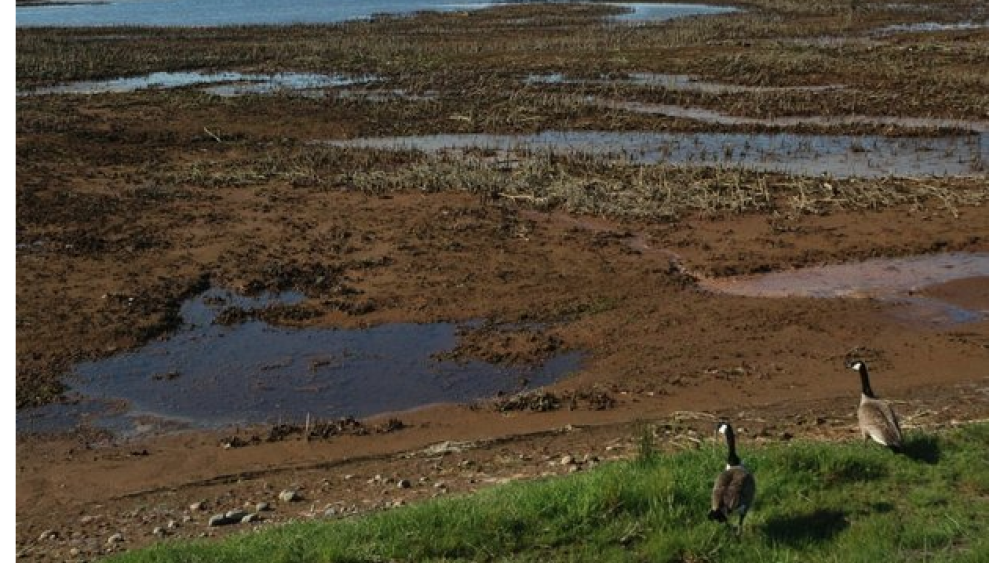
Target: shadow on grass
(922,448)
(801,529)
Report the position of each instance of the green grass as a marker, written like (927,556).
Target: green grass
(816,501)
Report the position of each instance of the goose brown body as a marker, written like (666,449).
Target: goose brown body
(735,487)
(876,419)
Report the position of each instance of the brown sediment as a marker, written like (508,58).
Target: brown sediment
(130,204)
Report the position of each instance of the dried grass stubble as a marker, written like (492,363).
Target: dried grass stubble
(579,184)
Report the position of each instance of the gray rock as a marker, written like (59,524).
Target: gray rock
(567,460)
(263,506)
(48,535)
(159,532)
(115,538)
(252,517)
(197,506)
(289,495)
(235,515)
(403,484)
(219,520)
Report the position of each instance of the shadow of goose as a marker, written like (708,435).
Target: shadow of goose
(801,529)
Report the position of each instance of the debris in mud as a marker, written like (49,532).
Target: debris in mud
(309,278)
(346,426)
(594,400)
(533,402)
(272,314)
(546,401)
(497,343)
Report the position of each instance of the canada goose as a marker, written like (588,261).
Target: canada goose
(875,417)
(734,487)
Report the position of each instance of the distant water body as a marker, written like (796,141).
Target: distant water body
(207,13)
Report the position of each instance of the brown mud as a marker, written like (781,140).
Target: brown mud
(130,204)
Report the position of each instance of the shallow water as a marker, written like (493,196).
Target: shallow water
(929,26)
(680,82)
(895,280)
(813,155)
(712,116)
(208,375)
(880,277)
(224,83)
(202,13)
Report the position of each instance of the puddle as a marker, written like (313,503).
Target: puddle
(224,83)
(642,12)
(202,13)
(932,290)
(924,27)
(719,118)
(812,155)
(212,376)
(895,280)
(680,82)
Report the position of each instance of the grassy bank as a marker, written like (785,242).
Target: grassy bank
(815,502)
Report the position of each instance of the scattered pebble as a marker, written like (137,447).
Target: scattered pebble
(219,520)
(48,535)
(235,515)
(252,517)
(197,506)
(403,484)
(263,506)
(567,460)
(289,495)
(115,538)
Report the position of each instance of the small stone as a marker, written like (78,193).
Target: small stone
(159,532)
(403,484)
(235,515)
(263,506)
(567,460)
(440,485)
(74,552)
(186,518)
(289,495)
(172,524)
(48,535)
(115,538)
(218,520)
(197,506)
(252,517)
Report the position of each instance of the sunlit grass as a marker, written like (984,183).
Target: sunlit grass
(815,502)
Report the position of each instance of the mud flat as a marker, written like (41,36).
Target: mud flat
(532,264)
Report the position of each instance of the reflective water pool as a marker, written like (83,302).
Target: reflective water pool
(202,13)
(814,155)
(223,83)
(213,375)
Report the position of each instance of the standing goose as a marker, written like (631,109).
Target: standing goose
(875,417)
(734,487)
